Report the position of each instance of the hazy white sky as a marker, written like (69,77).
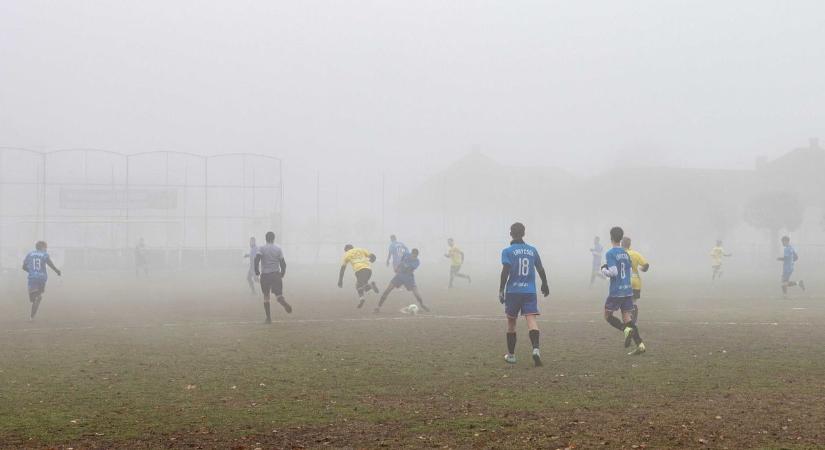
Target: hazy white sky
(352,85)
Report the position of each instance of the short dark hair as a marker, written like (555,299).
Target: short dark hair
(392,237)
(616,234)
(40,245)
(626,241)
(517,230)
(348,247)
(786,238)
(270,236)
(414,251)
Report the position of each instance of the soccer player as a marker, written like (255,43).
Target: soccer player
(716,255)
(405,277)
(789,259)
(639,264)
(360,260)
(270,266)
(141,260)
(517,290)
(596,253)
(35,265)
(251,278)
(617,268)
(456,261)
(396,252)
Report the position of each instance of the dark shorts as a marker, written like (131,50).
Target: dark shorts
(37,286)
(526,304)
(617,303)
(455,269)
(786,275)
(272,283)
(362,277)
(637,294)
(406,280)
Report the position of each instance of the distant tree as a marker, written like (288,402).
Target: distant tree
(774,211)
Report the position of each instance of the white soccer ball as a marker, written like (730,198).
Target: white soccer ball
(413,309)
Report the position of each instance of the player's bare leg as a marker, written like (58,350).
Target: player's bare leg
(418,298)
(384,298)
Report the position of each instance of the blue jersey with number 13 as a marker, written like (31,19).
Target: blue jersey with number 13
(522,259)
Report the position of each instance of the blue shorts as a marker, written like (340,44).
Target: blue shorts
(36,285)
(403,279)
(519,302)
(617,303)
(786,275)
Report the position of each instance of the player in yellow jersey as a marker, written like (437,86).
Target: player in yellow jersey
(456,257)
(637,263)
(716,255)
(360,260)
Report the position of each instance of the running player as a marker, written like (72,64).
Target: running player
(405,277)
(141,260)
(716,255)
(360,260)
(596,253)
(637,263)
(270,266)
(35,265)
(251,278)
(456,261)
(617,268)
(517,290)
(396,252)
(789,259)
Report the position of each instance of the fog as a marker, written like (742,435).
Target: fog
(425,119)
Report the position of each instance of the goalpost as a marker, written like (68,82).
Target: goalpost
(93,206)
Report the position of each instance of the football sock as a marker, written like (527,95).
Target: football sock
(35,305)
(534,338)
(511,343)
(635,314)
(615,323)
(266,308)
(784,289)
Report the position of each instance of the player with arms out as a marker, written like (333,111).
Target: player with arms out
(639,264)
(395,252)
(617,268)
(596,253)
(456,257)
(270,266)
(360,260)
(517,290)
(716,255)
(405,277)
(251,278)
(35,265)
(789,258)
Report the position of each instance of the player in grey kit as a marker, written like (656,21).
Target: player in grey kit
(250,276)
(271,267)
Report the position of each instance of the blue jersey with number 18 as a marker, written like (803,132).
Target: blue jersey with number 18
(522,259)
(620,284)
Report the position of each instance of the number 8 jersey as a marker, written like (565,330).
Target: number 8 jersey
(522,259)
(618,263)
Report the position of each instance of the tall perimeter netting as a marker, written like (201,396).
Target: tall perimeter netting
(93,207)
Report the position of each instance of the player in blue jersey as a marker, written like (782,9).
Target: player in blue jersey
(517,290)
(395,252)
(618,269)
(35,265)
(405,277)
(789,258)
